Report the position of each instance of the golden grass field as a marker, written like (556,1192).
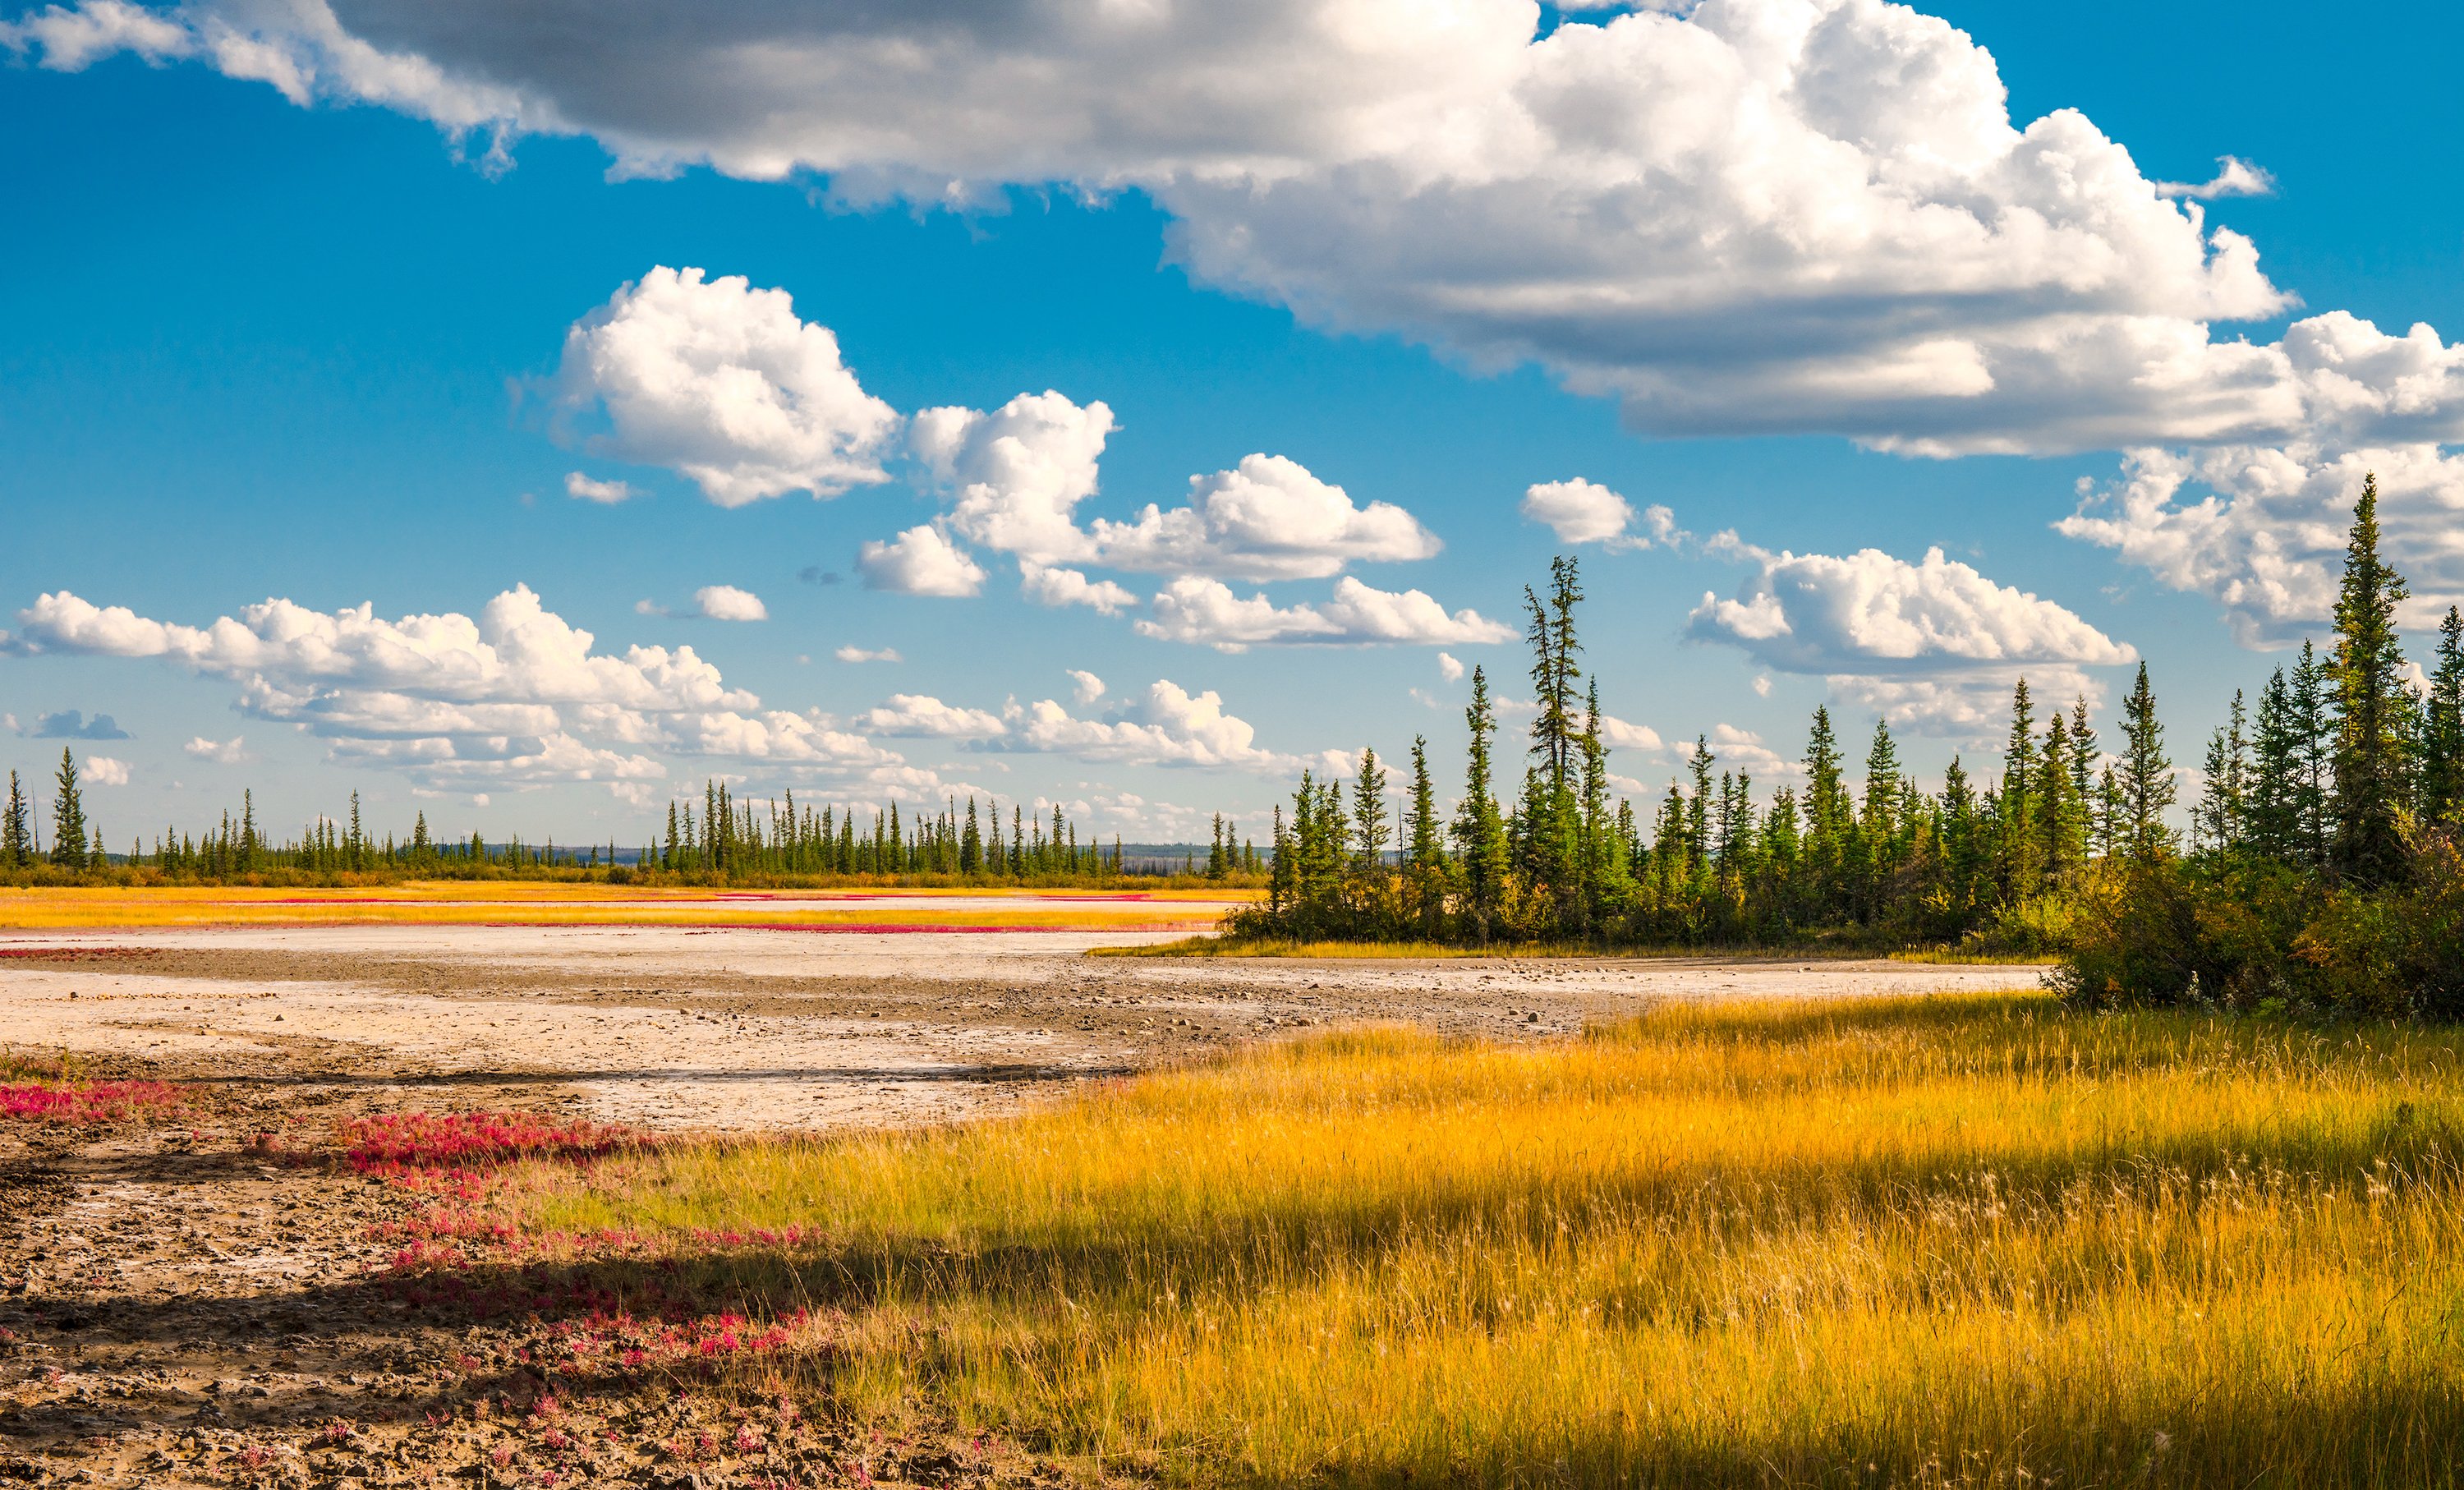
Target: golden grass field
(1213,946)
(523,903)
(1957,1240)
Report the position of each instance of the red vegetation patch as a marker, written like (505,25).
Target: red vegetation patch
(76,1104)
(406,1144)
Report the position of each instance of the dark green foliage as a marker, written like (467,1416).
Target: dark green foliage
(2372,708)
(2442,732)
(2328,877)
(2146,782)
(2324,873)
(1885,866)
(16,829)
(68,817)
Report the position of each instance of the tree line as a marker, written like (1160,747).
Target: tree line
(2346,780)
(734,838)
(720,841)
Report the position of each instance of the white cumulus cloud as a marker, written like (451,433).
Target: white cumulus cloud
(515,698)
(1800,215)
(1619,734)
(922,715)
(105,771)
(1016,477)
(70,38)
(1207,612)
(1449,667)
(1871,612)
(2235,177)
(1017,474)
(1930,645)
(726,384)
(1172,727)
(2260,530)
(1585,511)
(727,603)
(1268,519)
(1577,510)
(607,494)
(854,653)
(1087,687)
(1057,587)
(922,561)
(229,752)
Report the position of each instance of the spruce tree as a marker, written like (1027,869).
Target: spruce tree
(2022,863)
(1880,814)
(2083,767)
(2442,735)
(1697,807)
(1427,847)
(1966,855)
(2371,707)
(2224,797)
(2273,812)
(2061,812)
(2314,730)
(68,817)
(1371,829)
(16,829)
(2146,782)
(1480,833)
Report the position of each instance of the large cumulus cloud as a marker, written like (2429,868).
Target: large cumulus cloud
(1762,214)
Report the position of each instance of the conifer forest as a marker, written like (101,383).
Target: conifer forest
(2319,866)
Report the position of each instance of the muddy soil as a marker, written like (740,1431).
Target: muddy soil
(200,1300)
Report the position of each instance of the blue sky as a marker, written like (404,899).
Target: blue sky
(317,350)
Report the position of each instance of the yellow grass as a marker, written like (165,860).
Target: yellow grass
(1218,945)
(588,905)
(1962,1240)
(1208,946)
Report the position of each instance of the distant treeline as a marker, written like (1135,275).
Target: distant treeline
(2322,869)
(725,841)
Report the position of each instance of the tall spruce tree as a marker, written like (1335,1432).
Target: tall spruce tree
(2442,732)
(1880,815)
(2083,768)
(1826,808)
(2022,864)
(1697,807)
(1371,829)
(2224,795)
(2062,815)
(2314,730)
(2372,706)
(1426,845)
(2273,814)
(2146,779)
(1479,830)
(16,829)
(68,816)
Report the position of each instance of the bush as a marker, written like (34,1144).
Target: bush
(2154,934)
(2257,936)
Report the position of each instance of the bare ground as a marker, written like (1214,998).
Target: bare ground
(194,1302)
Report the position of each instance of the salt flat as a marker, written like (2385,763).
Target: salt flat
(732,1028)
